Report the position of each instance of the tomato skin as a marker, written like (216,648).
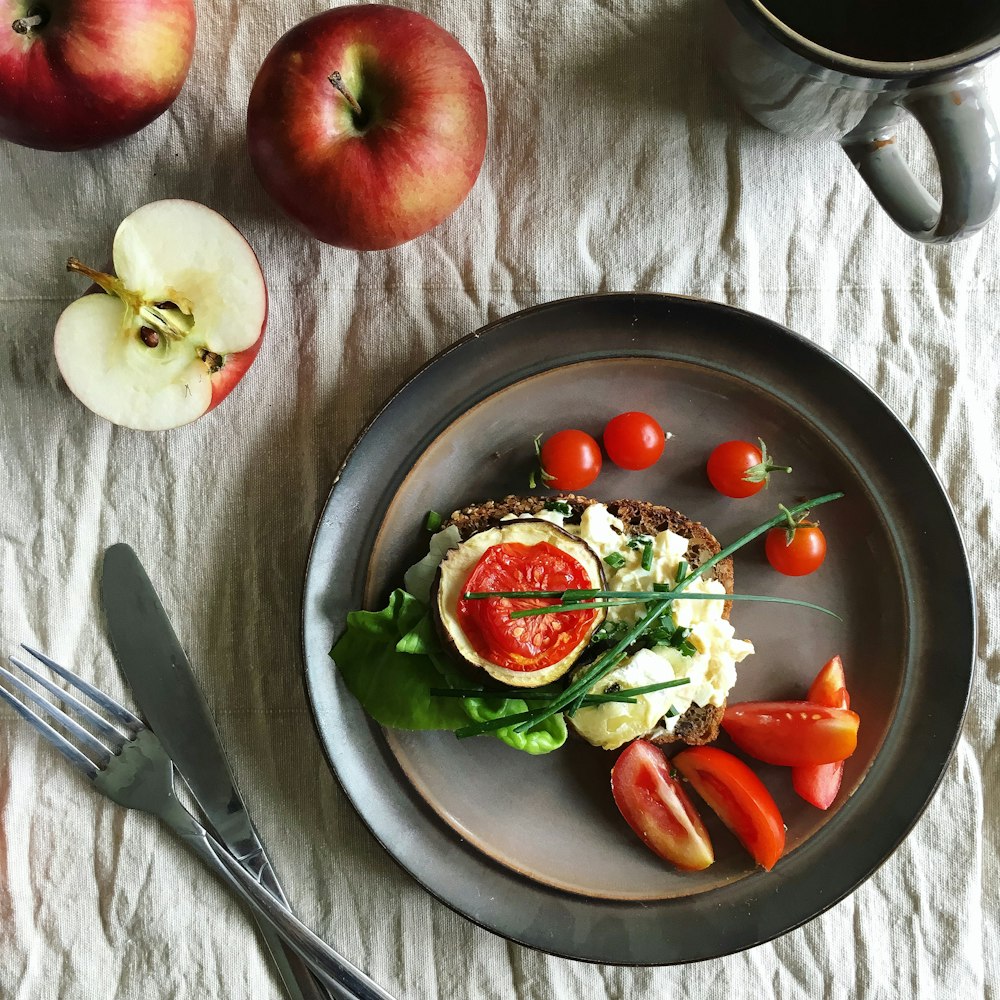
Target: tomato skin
(830,685)
(634,440)
(791,733)
(572,459)
(727,465)
(819,784)
(658,809)
(805,553)
(738,797)
(523,644)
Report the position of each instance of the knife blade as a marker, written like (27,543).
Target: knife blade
(167,693)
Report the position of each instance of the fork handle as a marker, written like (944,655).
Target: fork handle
(344,979)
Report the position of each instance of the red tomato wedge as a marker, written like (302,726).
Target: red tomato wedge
(830,686)
(819,784)
(792,732)
(738,797)
(523,643)
(656,806)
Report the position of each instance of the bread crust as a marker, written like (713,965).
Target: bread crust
(700,723)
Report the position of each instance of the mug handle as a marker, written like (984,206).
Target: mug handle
(956,115)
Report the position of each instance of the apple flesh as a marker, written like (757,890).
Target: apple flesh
(367,125)
(75,74)
(167,339)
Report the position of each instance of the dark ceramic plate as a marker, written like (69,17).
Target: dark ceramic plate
(533,848)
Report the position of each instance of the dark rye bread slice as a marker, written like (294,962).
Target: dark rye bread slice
(699,724)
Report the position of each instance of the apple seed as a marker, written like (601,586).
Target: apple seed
(213,360)
(149,336)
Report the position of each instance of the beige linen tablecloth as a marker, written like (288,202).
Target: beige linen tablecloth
(615,162)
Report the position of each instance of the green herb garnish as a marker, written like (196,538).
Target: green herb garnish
(559,507)
(590,600)
(682,569)
(647,555)
(679,641)
(608,631)
(433,520)
(638,541)
(619,695)
(615,560)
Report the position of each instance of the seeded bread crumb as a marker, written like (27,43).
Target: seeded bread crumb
(700,723)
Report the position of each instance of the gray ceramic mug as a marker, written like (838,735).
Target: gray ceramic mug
(799,88)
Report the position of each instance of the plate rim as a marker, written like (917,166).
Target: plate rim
(825,357)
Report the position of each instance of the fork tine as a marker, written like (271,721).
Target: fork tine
(89,741)
(114,738)
(98,697)
(70,752)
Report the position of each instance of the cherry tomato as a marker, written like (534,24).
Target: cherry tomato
(656,806)
(792,732)
(571,460)
(819,784)
(740,469)
(803,554)
(738,797)
(523,643)
(634,440)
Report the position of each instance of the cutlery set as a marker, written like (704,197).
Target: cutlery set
(135,766)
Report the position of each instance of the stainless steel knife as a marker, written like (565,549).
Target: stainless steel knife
(158,671)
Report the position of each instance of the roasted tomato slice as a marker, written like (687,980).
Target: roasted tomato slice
(738,797)
(656,806)
(523,643)
(792,732)
(819,784)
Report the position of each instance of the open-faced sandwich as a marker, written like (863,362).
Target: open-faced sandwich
(507,650)
(630,546)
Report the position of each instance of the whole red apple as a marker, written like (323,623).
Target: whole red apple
(75,74)
(367,125)
(168,336)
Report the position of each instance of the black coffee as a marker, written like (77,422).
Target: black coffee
(891,30)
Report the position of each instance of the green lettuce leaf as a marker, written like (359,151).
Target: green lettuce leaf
(543,737)
(392,686)
(391,659)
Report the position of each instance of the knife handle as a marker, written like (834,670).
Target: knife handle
(344,980)
(299,982)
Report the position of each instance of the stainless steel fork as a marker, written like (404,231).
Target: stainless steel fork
(126,762)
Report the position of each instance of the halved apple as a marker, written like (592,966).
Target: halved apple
(175,330)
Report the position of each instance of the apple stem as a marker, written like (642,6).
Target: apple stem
(106,282)
(24,24)
(338,81)
(157,317)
